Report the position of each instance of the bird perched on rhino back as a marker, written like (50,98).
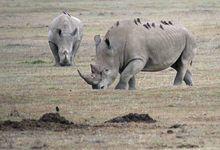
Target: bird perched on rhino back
(65,35)
(130,47)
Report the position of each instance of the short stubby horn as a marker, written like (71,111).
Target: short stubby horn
(91,79)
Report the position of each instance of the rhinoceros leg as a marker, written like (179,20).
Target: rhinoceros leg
(183,63)
(183,72)
(54,50)
(132,68)
(188,78)
(180,75)
(132,83)
(74,50)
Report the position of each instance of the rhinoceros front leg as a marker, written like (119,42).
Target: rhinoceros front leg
(54,50)
(128,73)
(74,51)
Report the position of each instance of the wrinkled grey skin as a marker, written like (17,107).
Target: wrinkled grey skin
(130,47)
(65,35)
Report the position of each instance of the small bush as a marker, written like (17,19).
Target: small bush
(34,62)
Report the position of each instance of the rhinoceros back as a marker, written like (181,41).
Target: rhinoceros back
(164,47)
(159,45)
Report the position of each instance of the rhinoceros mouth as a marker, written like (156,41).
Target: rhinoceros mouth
(98,87)
(65,64)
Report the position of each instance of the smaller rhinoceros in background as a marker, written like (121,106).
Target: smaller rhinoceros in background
(132,46)
(65,35)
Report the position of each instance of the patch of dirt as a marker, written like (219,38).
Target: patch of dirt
(49,121)
(54,117)
(55,122)
(187,146)
(38,144)
(175,126)
(132,117)
(170,131)
(14,113)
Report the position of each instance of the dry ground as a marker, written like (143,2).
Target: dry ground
(31,84)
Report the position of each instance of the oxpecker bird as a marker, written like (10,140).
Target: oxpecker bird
(135,21)
(138,20)
(145,26)
(153,24)
(161,27)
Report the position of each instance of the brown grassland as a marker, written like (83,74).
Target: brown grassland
(31,85)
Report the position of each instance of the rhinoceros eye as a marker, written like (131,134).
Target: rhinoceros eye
(106,70)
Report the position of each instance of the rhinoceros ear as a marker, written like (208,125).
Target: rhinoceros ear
(108,43)
(58,31)
(74,32)
(97,39)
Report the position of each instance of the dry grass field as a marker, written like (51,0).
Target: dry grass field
(32,86)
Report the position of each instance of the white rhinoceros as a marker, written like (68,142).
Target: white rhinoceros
(65,35)
(130,47)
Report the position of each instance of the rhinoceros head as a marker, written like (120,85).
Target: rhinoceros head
(66,42)
(105,70)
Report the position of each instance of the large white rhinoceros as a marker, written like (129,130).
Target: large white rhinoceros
(65,35)
(131,46)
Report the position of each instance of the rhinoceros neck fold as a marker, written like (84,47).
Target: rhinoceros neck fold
(122,57)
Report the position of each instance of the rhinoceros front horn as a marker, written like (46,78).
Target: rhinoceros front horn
(90,79)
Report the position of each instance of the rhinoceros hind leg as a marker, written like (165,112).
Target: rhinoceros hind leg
(132,68)
(182,72)
(183,62)
(54,50)
(188,78)
(132,83)
(180,75)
